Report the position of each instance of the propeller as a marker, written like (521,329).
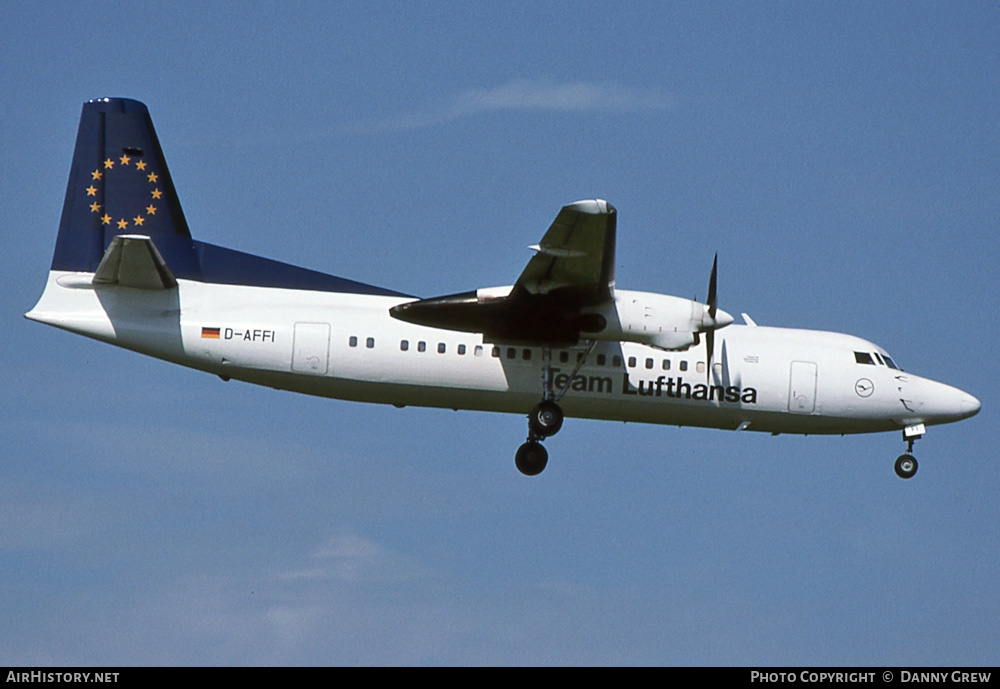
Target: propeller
(713,309)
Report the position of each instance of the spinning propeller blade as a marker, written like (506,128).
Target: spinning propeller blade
(713,309)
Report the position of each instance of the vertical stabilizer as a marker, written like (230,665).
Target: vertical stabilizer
(119,185)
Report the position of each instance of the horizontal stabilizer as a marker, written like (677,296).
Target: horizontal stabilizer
(133,260)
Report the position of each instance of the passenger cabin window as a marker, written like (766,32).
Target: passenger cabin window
(684,365)
(601,360)
(649,363)
(441,347)
(404,345)
(370,342)
(495,352)
(700,366)
(421,346)
(616,361)
(563,357)
(863,358)
(478,351)
(511,353)
(631,362)
(526,354)
(461,350)
(353,341)
(666,364)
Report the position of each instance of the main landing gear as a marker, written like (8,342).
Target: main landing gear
(545,419)
(906,463)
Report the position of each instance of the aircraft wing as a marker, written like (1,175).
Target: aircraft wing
(576,255)
(572,270)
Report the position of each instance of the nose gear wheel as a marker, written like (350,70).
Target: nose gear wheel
(906,466)
(906,463)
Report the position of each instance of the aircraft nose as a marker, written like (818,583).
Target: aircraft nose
(968,406)
(947,404)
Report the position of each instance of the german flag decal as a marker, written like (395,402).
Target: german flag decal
(210,333)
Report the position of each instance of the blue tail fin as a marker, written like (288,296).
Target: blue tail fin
(118,184)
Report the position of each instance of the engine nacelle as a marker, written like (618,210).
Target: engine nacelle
(658,320)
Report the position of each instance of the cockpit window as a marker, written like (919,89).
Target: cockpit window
(889,362)
(864,358)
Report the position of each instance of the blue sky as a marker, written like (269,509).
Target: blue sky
(840,157)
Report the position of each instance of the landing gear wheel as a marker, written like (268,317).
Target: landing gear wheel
(531,458)
(906,466)
(545,419)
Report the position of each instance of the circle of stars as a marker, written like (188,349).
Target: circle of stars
(100,175)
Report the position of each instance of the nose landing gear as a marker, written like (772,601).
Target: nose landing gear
(906,464)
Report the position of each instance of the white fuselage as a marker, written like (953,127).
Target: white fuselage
(346,346)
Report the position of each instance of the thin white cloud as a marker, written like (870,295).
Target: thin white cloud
(353,559)
(529,94)
(523,94)
(322,598)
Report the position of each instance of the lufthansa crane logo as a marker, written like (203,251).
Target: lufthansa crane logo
(864,388)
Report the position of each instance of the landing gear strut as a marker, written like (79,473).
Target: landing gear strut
(545,419)
(906,464)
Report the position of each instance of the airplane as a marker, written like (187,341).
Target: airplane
(562,341)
